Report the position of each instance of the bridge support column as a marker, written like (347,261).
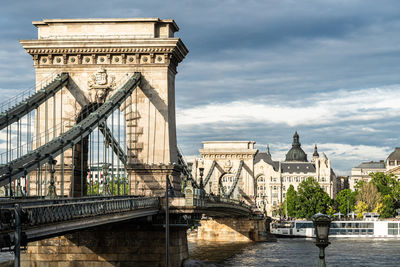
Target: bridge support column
(118,245)
(149,180)
(97,67)
(230,229)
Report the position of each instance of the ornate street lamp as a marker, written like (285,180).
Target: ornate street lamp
(201,169)
(322,224)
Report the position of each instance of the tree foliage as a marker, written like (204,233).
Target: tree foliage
(384,183)
(368,193)
(361,207)
(291,202)
(311,199)
(386,209)
(120,186)
(346,201)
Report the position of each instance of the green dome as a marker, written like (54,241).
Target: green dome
(296,153)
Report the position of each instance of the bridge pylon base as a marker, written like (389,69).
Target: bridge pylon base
(150,180)
(240,229)
(124,244)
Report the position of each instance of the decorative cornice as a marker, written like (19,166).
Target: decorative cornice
(173,48)
(90,50)
(224,156)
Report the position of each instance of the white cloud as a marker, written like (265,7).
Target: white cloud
(320,109)
(343,156)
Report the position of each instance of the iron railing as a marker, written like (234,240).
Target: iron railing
(224,200)
(74,209)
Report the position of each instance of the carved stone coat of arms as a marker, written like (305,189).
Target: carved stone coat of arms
(100,85)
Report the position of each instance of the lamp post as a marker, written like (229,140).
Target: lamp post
(322,224)
(201,169)
(169,192)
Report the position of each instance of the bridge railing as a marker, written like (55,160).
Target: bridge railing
(219,199)
(75,209)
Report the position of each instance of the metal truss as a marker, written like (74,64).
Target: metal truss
(186,170)
(235,181)
(214,163)
(35,158)
(111,140)
(27,105)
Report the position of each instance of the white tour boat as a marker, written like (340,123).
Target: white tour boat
(348,228)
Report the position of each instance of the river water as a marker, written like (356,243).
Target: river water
(300,252)
(293,252)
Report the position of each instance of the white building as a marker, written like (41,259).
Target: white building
(390,166)
(259,180)
(362,172)
(274,177)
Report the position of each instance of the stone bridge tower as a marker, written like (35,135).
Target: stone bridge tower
(221,161)
(99,52)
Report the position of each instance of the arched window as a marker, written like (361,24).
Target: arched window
(260,179)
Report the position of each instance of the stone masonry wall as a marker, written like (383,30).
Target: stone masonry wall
(118,245)
(228,230)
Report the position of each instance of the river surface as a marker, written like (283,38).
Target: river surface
(300,252)
(293,252)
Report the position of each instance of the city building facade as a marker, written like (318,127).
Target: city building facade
(389,166)
(259,180)
(362,172)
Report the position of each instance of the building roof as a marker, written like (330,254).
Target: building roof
(297,167)
(395,155)
(266,157)
(296,153)
(372,165)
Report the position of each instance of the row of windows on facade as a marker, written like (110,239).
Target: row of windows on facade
(261,204)
(274,195)
(289,179)
(263,188)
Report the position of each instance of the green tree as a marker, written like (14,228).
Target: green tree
(345,201)
(387,209)
(277,210)
(359,184)
(311,198)
(118,186)
(361,207)
(368,193)
(396,193)
(384,183)
(331,210)
(290,202)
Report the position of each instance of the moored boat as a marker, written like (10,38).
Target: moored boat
(340,229)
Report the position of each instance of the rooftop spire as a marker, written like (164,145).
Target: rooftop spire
(296,140)
(269,153)
(315,151)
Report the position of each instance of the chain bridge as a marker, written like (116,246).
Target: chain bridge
(89,163)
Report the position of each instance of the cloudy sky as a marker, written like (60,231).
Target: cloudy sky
(259,70)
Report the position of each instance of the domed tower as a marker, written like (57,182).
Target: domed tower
(296,153)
